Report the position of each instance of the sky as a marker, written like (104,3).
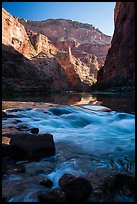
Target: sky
(99,14)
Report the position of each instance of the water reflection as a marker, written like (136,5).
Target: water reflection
(117,102)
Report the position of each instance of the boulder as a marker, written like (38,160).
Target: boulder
(77,189)
(65,179)
(30,146)
(45,182)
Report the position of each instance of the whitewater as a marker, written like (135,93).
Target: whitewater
(86,137)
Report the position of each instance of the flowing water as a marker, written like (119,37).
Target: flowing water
(90,131)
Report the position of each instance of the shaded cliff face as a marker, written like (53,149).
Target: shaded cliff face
(21,74)
(18,73)
(54,74)
(119,68)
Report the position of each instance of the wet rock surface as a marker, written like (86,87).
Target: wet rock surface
(109,184)
(16,185)
(23,127)
(34,130)
(55,195)
(35,168)
(65,179)
(102,185)
(46,182)
(76,188)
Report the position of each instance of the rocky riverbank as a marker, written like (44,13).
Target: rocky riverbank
(35,168)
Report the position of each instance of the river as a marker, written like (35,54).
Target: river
(90,130)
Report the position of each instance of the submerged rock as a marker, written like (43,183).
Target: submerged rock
(23,127)
(58,111)
(45,182)
(76,188)
(17,187)
(37,167)
(34,130)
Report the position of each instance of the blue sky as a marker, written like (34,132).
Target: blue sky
(99,14)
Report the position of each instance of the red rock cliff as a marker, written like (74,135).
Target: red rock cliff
(84,40)
(28,61)
(14,34)
(119,67)
(55,69)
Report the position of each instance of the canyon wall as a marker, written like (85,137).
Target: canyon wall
(63,30)
(51,55)
(18,73)
(119,67)
(19,51)
(84,39)
(14,34)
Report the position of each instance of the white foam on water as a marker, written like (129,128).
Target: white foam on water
(96,108)
(66,167)
(92,130)
(95,133)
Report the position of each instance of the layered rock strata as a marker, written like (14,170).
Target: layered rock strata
(40,65)
(14,34)
(83,39)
